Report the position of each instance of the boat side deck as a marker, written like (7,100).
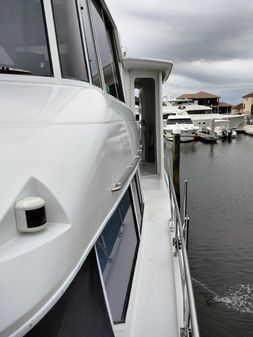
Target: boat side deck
(155,309)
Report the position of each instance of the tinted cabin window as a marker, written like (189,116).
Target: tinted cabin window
(107,55)
(81,311)
(69,40)
(179,121)
(23,38)
(117,249)
(90,45)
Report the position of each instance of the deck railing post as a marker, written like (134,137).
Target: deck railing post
(186,231)
(180,242)
(185,214)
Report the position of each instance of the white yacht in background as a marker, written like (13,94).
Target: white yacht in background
(179,105)
(248,129)
(91,241)
(180,122)
(223,130)
(232,122)
(201,115)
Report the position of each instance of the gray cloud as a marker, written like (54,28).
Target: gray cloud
(209,41)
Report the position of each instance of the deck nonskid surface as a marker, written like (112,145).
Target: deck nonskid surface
(155,308)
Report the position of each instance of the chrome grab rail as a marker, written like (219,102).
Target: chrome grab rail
(190,327)
(130,169)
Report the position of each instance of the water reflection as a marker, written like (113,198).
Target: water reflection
(221,233)
(185,147)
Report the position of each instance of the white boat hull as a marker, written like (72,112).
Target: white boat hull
(223,132)
(248,129)
(180,123)
(205,120)
(185,136)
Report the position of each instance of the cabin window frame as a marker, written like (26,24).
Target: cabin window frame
(47,46)
(134,260)
(84,54)
(139,203)
(50,60)
(80,306)
(139,189)
(111,41)
(86,3)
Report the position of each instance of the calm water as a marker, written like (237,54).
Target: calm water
(221,233)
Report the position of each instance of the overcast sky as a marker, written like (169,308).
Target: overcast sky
(210,42)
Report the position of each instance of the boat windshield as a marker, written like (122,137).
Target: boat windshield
(191,112)
(179,121)
(23,38)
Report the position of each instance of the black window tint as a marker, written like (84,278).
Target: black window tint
(81,311)
(23,38)
(116,86)
(106,52)
(179,121)
(69,40)
(117,249)
(90,45)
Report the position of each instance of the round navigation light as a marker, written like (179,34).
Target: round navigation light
(30,214)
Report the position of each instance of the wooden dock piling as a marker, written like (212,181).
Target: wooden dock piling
(176,163)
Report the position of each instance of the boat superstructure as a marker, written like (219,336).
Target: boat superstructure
(180,106)
(201,115)
(180,122)
(91,240)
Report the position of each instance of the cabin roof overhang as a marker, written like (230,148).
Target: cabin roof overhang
(162,66)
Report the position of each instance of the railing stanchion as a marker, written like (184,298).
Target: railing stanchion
(180,241)
(186,231)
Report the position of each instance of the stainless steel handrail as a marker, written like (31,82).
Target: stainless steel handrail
(130,169)
(190,316)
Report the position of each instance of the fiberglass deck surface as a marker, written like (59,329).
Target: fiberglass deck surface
(155,310)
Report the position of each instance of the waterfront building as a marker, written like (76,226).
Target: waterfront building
(246,107)
(208,99)
(238,108)
(248,104)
